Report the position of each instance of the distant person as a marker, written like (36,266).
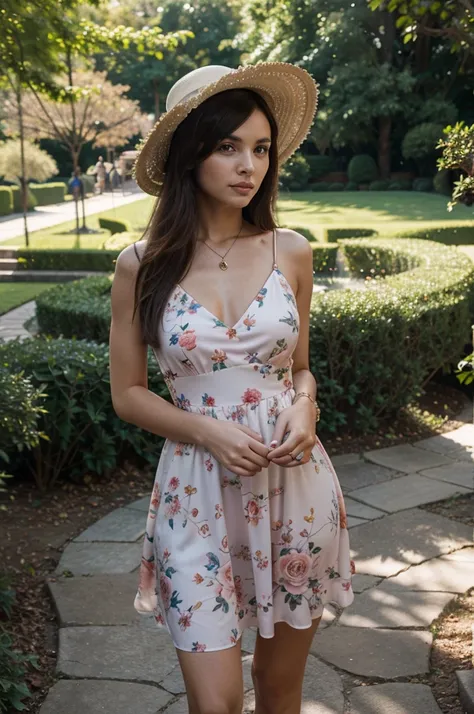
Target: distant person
(101,173)
(76,185)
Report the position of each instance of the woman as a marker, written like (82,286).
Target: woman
(246,525)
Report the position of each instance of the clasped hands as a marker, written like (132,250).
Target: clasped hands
(294,433)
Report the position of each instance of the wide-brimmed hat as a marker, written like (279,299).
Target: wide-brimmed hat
(290,92)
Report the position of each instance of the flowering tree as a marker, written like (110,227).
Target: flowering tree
(38,164)
(101,114)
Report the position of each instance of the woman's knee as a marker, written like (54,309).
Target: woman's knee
(225,704)
(274,686)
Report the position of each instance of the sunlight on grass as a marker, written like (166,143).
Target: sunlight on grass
(15,294)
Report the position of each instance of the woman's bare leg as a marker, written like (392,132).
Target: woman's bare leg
(214,683)
(278,669)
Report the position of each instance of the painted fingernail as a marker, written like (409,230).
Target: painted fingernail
(274,442)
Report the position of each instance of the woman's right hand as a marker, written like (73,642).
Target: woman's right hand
(237,447)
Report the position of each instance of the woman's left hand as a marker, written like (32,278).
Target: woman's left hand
(299,421)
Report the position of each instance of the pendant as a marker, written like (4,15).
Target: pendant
(223,265)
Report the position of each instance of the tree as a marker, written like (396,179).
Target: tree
(38,164)
(101,115)
(458,153)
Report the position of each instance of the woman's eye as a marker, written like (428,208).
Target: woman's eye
(224,146)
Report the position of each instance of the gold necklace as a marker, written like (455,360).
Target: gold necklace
(223,265)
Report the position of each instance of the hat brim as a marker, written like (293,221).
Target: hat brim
(290,92)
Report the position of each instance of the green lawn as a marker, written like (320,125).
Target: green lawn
(15,294)
(387,211)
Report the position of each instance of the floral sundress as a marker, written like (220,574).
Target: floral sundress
(221,552)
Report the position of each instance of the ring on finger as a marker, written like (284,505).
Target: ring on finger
(299,456)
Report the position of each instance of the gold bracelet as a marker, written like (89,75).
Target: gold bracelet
(305,394)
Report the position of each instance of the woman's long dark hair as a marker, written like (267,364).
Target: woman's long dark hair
(172,231)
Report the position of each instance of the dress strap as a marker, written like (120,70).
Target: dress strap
(275,264)
(136,252)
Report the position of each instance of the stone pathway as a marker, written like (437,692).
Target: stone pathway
(11,324)
(45,216)
(410,564)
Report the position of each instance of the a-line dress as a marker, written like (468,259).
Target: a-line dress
(223,552)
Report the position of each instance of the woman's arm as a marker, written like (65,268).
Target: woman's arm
(132,400)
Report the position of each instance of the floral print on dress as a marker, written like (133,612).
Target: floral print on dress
(223,552)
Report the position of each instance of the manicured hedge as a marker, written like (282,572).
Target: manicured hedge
(371,349)
(84,433)
(6,200)
(324,257)
(50,259)
(119,241)
(114,226)
(334,234)
(449,234)
(48,193)
(17,200)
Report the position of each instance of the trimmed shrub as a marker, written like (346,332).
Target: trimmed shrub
(294,173)
(394,186)
(85,435)
(362,169)
(119,241)
(17,200)
(319,166)
(449,234)
(6,200)
(114,225)
(406,184)
(320,186)
(351,186)
(423,184)
(420,141)
(48,193)
(324,257)
(442,183)
(380,185)
(50,259)
(336,186)
(331,235)
(372,350)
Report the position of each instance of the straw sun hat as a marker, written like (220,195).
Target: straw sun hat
(290,92)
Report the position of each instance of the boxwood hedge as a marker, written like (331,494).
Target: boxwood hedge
(448,233)
(371,350)
(51,259)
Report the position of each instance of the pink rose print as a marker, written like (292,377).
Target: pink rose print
(165,590)
(185,620)
(219,356)
(225,581)
(292,571)
(173,484)
(252,396)
(194,512)
(198,647)
(231,333)
(253,512)
(187,339)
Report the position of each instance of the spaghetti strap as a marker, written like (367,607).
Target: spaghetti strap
(136,252)
(275,264)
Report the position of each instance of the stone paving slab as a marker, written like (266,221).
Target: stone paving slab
(393,698)
(462,474)
(353,522)
(384,547)
(362,473)
(124,525)
(406,458)
(361,510)
(385,653)
(96,599)
(450,442)
(400,608)
(453,573)
(408,492)
(93,696)
(465,679)
(142,504)
(126,653)
(100,558)
(363,582)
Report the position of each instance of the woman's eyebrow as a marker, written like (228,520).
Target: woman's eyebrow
(264,140)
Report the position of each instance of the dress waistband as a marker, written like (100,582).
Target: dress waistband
(247,384)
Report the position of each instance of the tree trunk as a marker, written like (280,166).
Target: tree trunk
(23,182)
(156,97)
(384,147)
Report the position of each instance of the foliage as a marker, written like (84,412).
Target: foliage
(101,114)
(334,234)
(6,200)
(119,241)
(84,433)
(458,153)
(336,186)
(442,183)
(465,370)
(362,169)
(320,186)
(48,193)
(57,259)
(379,185)
(319,166)
(351,186)
(12,666)
(114,225)
(39,164)
(449,234)
(423,184)
(421,141)
(294,173)
(17,200)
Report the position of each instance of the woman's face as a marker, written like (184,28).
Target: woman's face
(242,157)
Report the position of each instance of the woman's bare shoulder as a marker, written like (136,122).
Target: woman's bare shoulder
(293,245)
(127,261)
